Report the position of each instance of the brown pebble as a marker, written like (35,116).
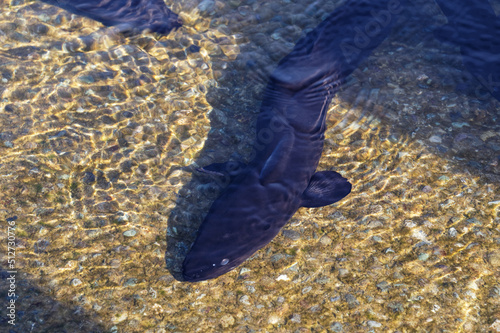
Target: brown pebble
(494,259)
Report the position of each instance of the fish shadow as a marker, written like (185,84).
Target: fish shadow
(230,139)
(37,311)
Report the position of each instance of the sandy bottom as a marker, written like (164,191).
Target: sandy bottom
(101,135)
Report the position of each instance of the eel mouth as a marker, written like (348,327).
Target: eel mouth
(200,274)
(192,271)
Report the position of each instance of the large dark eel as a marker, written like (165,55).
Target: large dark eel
(128,15)
(281,178)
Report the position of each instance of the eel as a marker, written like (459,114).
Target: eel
(127,15)
(263,195)
(475,28)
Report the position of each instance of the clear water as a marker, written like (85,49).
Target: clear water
(100,141)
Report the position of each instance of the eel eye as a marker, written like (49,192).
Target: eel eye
(224,261)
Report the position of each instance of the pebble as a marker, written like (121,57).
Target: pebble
(245,300)
(375,224)
(59,134)
(459,125)
(88,178)
(295,267)
(44,211)
(44,17)
(206,6)
(336,327)
(41,245)
(470,294)
(283,277)
(119,317)
(474,221)
(375,209)
(75,282)
(351,300)
(274,319)
(130,282)
(93,232)
(422,77)
(409,224)
(227,320)
(291,234)
(471,245)
(489,134)
(323,280)
(244,270)
(315,308)
(277,257)
(426,189)
(325,240)
(86,79)
(337,216)
(383,285)
(105,207)
(396,307)
(244,10)
(495,326)
(452,232)
(393,138)
(343,272)
(435,139)
(423,256)
(124,217)
(130,233)
(494,259)
(372,323)
(114,263)
(447,203)
(276,36)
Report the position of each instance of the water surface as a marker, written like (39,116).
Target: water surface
(101,132)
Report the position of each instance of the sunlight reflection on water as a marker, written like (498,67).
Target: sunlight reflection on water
(99,140)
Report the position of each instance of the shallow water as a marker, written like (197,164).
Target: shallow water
(101,135)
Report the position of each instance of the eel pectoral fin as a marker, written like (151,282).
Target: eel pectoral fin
(325,188)
(278,160)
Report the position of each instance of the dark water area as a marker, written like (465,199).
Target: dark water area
(116,127)
(475,28)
